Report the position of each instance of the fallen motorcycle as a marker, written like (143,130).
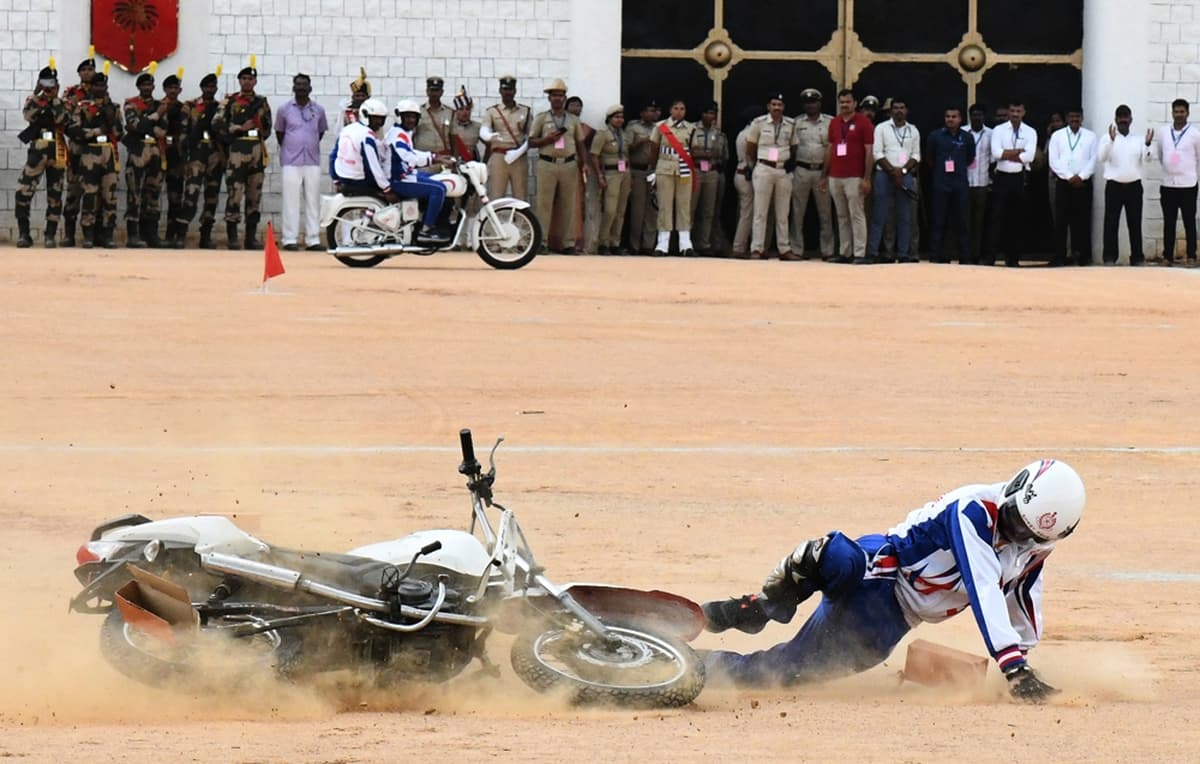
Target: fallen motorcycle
(415,609)
(363,231)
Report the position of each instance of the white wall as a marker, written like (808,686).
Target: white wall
(469,42)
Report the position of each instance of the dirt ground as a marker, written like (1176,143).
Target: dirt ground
(670,423)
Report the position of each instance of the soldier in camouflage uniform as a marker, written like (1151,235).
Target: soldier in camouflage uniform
(71,98)
(96,127)
(205,161)
(176,120)
(146,141)
(47,118)
(244,121)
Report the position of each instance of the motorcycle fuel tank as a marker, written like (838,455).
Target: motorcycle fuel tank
(460,552)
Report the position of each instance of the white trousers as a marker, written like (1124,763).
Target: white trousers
(301,191)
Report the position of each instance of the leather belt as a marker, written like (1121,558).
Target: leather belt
(642,167)
(769,163)
(811,165)
(613,167)
(556,160)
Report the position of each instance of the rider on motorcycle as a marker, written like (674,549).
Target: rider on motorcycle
(406,182)
(355,162)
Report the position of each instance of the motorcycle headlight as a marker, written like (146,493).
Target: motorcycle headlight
(151,550)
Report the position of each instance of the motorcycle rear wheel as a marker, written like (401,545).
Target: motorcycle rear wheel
(206,659)
(339,231)
(639,669)
(515,244)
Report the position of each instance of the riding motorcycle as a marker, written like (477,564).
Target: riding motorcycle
(363,231)
(415,609)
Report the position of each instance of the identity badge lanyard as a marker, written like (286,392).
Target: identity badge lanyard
(1072,147)
(958,144)
(1176,158)
(619,137)
(901,138)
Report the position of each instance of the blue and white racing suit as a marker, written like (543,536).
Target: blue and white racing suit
(406,182)
(355,163)
(945,557)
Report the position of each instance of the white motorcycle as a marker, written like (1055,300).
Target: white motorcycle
(416,609)
(362,231)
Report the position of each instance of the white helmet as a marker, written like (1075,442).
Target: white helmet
(372,107)
(407,106)
(1043,501)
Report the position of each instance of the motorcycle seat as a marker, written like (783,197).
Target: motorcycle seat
(360,575)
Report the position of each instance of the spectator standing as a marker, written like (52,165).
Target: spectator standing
(1072,153)
(557,134)
(847,175)
(675,180)
(897,153)
(1013,146)
(1122,155)
(505,130)
(770,151)
(47,118)
(299,127)
(612,171)
(743,186)
(1179,153)
(979,182)
(812,144)
(710,150)
(951,153)
(642,217)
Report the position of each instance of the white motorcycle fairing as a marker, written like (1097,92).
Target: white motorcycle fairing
(207,533)
(460,552)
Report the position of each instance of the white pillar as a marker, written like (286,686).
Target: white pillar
(1116,47)
(595,73)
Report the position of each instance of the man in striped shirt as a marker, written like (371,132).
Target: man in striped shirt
(980,547)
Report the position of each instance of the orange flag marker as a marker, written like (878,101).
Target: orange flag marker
(272,264)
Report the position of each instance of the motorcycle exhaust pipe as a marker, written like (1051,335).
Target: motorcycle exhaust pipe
(285,579)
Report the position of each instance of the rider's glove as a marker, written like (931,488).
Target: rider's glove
(1026,686)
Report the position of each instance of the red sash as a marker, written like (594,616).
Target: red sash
(680,150)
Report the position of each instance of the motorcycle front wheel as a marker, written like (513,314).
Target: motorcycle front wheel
(633,669)
(514,243)
(204,658)
(343,231)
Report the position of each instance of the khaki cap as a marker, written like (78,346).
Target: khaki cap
(616,108)
(558,84)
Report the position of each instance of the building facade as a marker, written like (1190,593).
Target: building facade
(1101,52)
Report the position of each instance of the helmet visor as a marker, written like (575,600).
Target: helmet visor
(1012,525)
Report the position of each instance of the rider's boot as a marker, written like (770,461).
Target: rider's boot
(796,578)
(430,235)
(744,613)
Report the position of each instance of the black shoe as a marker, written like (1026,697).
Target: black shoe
(290,247)
(314,248)
(906,259)
(568,250)
(1137,263)
(432,237)
(868,260)
(842,259)
(744,614)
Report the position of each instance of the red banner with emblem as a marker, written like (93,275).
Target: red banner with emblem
(132,33)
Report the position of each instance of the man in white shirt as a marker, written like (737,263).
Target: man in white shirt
(1121,154)
(1013,146)
(897,153)
(1179,152)
(1072,158)
(979,181)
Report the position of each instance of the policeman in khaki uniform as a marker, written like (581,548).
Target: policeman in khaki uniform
(612,168)
(557,134)
(812,143)
(433,133)
(505,130)
(710,151)
(47,118)
(641,194)
(741,184)
(97,126)
(770,151)
(205,161)
(71,98)
(674,179)
(244,121)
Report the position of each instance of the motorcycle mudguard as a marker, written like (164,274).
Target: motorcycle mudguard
(655,610)
(156,606)
(207,533)
(332,206)
(505,202)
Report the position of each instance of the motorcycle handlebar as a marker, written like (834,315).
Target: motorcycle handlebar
(470,465)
